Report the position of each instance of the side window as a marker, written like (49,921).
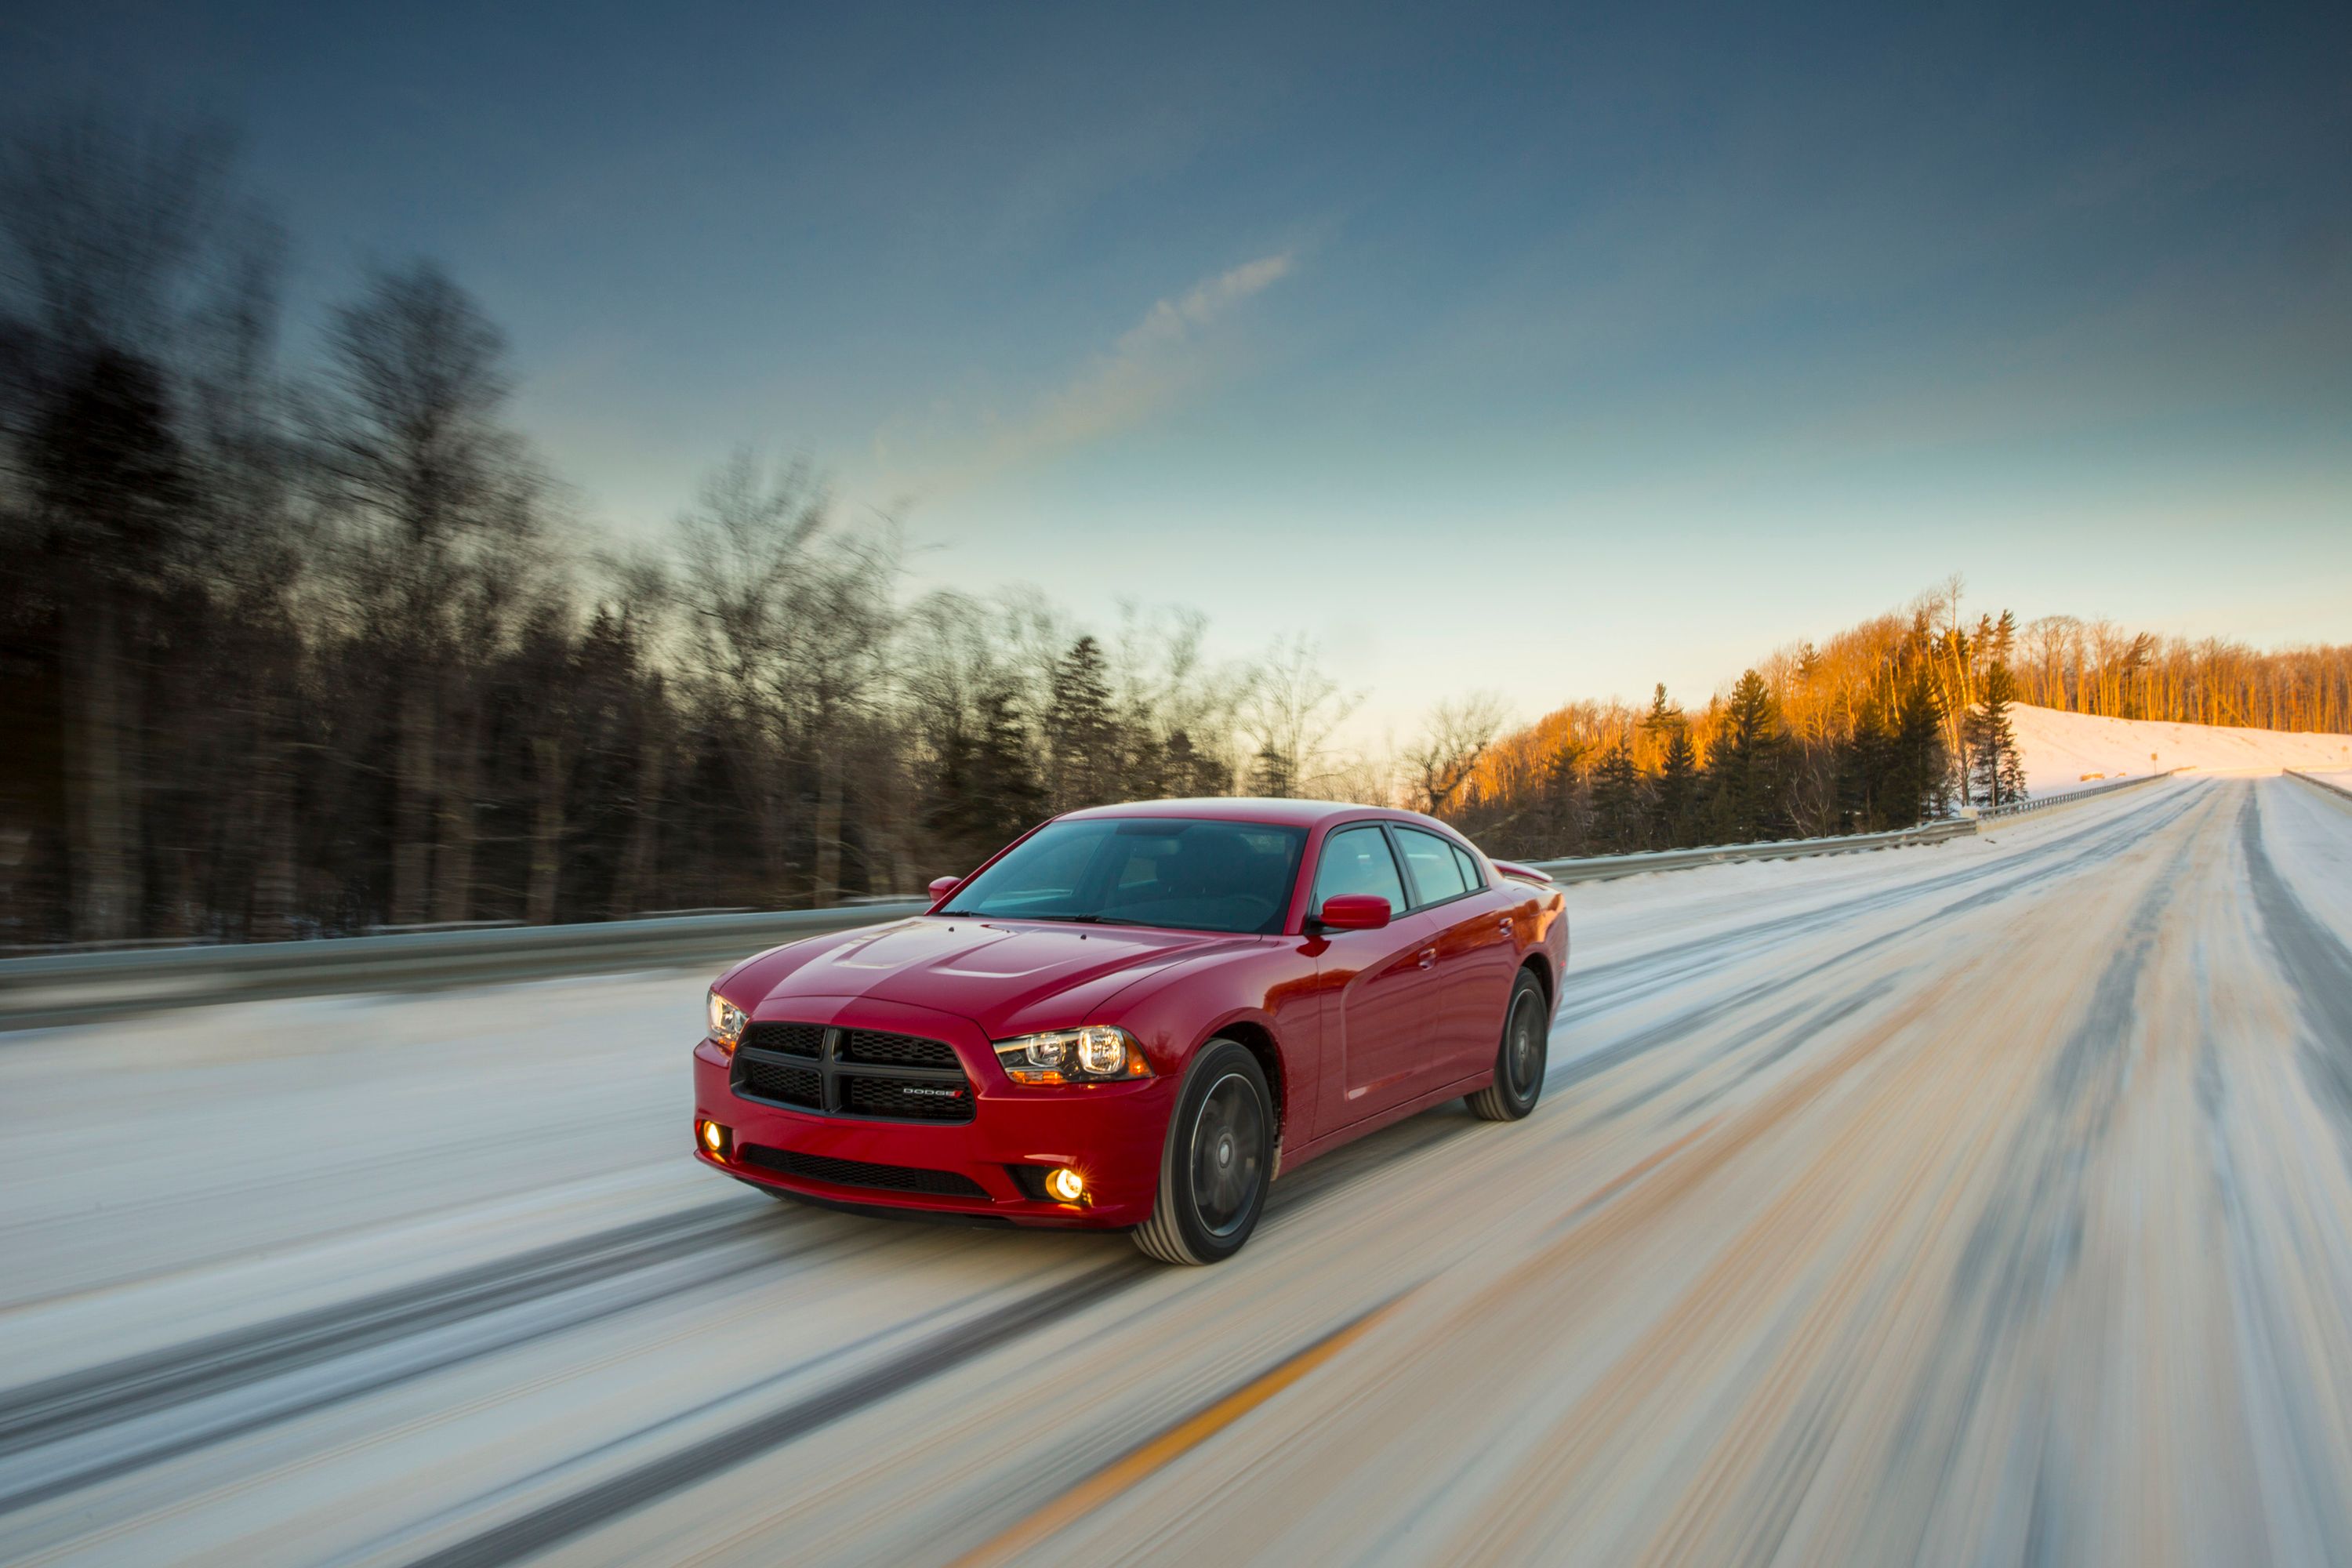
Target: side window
(1436,874)
(1471,875)
(1357,860)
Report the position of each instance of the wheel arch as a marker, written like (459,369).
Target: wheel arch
(1255,1038)
(1538,963)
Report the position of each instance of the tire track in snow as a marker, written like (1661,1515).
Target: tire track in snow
(82,1428)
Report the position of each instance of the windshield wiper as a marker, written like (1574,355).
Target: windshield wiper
(1014,915)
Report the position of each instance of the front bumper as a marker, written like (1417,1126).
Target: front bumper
(1110,1133)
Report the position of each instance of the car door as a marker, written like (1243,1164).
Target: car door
(1491,929)
(1476,952)
(1381,987)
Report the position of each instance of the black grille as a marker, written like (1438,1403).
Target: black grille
(853,1072)
(774,1080)
(786,1040)
(905,1101)
(860,1174)
(895,1050)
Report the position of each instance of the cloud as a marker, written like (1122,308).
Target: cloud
(1147,368)
(1170,322)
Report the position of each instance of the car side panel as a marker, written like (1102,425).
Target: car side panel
(1412,1106)
(1274,988)
(1478,949)
(1538,928)
(1380,1000)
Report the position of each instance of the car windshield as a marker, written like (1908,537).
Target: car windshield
(1178,874)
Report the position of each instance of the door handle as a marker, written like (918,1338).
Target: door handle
(1428,956)
(1507,922)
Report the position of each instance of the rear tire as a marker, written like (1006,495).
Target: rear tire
(1519,1059)
(1215,1163)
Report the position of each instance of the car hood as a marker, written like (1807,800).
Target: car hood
(1010,977)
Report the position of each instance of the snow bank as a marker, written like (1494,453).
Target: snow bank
(2061,749)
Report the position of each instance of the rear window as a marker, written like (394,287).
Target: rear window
(1437,873)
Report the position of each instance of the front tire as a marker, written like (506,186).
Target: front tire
(1519,1059)
(1215,1163)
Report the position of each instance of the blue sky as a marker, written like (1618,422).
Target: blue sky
(1542,350)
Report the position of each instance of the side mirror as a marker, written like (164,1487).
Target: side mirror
(1353,911)
(942,886)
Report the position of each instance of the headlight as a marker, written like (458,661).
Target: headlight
(727,1021)
(1073,1055)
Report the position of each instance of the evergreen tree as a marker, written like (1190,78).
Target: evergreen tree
(985,792)
(1662,716)
(1993,760)
(2000,639)
(1868,801)
(1918,782)
(1674,798)
(1141,765)
(1187,774)
(1673,803)
(1011,797)
(1746,778)
(1565,807)
(1618,816)
(1081,736)
(1270,774)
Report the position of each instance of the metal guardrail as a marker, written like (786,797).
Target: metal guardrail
(79,987)
(1603,867)
(2068,797)
(2330,786)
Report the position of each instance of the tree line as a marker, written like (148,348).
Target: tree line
(304,644)
(1887,725)
(2096,667)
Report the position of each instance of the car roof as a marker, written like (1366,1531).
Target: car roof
(1277,812)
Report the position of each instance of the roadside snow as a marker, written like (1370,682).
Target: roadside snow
(2309,834)
(2063,751)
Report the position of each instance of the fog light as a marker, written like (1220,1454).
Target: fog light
(1066,1184)
(714,1138)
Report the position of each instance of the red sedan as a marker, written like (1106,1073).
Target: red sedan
(1135,1016)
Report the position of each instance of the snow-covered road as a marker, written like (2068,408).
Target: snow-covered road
(1989,1201)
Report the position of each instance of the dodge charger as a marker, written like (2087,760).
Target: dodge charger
(1135,1017)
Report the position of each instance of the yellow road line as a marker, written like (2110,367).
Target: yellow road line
(1196,1429)
(1178,1440)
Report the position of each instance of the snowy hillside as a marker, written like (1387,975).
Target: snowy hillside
(2062,749)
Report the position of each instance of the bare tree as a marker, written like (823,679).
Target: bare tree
(1289,715)
(1179,707)
(791,626)
(643,599)
(440,498)
(1452,743)
(112,231)
(848,607)
(743,545)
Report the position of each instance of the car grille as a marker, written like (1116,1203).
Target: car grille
(787,1085)
(895,1050)
(862,1173)
(786,1040)
(853,1072)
